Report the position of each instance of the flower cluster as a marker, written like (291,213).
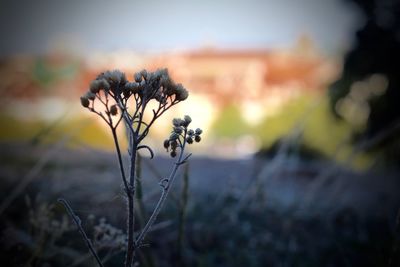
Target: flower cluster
(181,134)
(145,86)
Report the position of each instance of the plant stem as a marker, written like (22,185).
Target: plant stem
(182,211)
(162,198)
(119,155)
(131,209)
(78,223)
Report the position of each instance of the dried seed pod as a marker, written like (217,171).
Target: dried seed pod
(85,101)
(166,143)
(198,131)
(197,138)
(114,110)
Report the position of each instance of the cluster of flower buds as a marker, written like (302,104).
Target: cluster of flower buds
(181,134)
(146,85)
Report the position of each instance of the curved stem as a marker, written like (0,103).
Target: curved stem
(166,189)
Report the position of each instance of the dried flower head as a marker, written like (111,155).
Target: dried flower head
(114,110)
(85,101)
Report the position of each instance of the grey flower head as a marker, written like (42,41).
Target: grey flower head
(85,101)
(115,77)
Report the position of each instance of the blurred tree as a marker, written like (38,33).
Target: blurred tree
(230,123)
(368,91)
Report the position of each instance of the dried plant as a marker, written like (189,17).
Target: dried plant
(115,99)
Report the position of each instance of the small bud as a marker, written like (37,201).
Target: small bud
(177,122)
(144,74)
(187,119)
(85,101)
(133,87)
(104,84)
(173,136)
(198,131)
(89,95)
(166,143)
(173,153)
(178,130)
(95,86)
(190,132)
(160,73)
(174,144)
(197,138)
(138,77)
(189,140)
(181,93)
(113,110)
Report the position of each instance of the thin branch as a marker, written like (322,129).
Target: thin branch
(78,223)
(121,165)
(163,197)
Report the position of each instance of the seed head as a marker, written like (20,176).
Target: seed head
(114,110)
(177,122)
(181,93)
(197,138)
(85,101)
(187,119)
(95,86)
(178,130)
(144,74)
(198,131)
(166,143)
(174,136)
(138,77)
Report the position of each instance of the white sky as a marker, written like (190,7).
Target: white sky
(35,26)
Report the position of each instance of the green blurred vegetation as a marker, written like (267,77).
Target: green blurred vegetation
(320,130)
(230,123)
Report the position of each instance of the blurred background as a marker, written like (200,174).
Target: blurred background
(298,101)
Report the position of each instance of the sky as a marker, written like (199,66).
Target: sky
(36,27)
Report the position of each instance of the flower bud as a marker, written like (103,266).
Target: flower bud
(144,74)
(133,87)
(178,130)
(189,140)
(197,138)
(95,86)
(198,131)
(85,101)
(173,136)
(104,84)
(114,110)
(166,143)
(138,77)
(190,132)
(187,119)
(89,95)
(181,93)
(177,122)
(173,153)
(174,144)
